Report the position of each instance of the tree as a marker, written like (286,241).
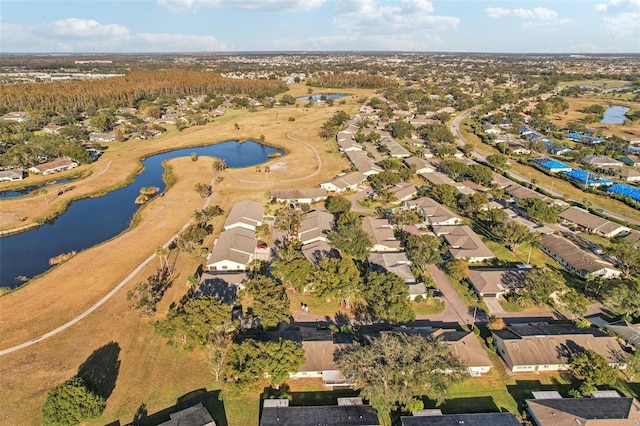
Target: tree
(622,298)
(444,194)
(218,353)
(71,403)
(458,269)
(541,283)
(219,165)
(472,203)
(496,323)
(391,369)
(339,278)
(146,295)
(198,321)
(453,168)
(203,189)
(337,204)
(627,256)
(404,217)
(292,268)
(387,297)
(400,129)
(633,365)
(270,301)
(594,369)
(497,161)
(424,250)
(539,210)
(575,302)
(288,220)
(480,174)
(351,240)
(252,360)
(513,234)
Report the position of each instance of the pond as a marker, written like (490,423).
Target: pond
(615,115)
(90,221)
(12,193)
(322,96)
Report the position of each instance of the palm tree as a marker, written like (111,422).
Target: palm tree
(163,254)
(267,169)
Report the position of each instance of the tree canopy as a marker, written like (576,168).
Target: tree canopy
(387,297)
(270,301)
(71,403)
(339,278)
(594,369)
(393,368)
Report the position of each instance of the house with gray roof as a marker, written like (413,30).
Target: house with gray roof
(11,175)
(316,251)
(365,164)
(604,411)
(464,243)
(592,223)
(549,347)
(628,332)
(315,226)
(403,191)
(305,196)
(395,149)
(494,283)
(421,165)
(348,412)
(380,232)
(631,160)
(345,182)
(433,212)
(196,415)
(396,263)
(246,214)
(436,418)
(577,261)
(234,250)
(55,166)
(602,162)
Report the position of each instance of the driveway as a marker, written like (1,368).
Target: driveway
(456,310)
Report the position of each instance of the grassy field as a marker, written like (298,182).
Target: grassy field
(148,371)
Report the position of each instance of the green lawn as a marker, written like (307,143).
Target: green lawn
(316,306)
(428,307)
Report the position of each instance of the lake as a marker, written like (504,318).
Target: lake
(316,98)
(615,115)
(12,193)
(90,221)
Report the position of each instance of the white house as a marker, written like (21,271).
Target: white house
(233,251)
(245,214)
(349,181)
(58,165)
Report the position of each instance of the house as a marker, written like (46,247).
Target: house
(315,226)
(602,162)
(394,148)
(196,415)
(436,418)
(518,148)
(234,250)
(11,175)
(403,191)
(421,165)
(463,344)
(577,261)
(433,212)
(631,160)
(245,214)
(348,144)
(396,263)
(599,411)
(300,196)
(549,347)
(102,137)
(552,166)
(224,287)
(58,165)
(628,332)
(346,182)
(493,283)
(17,116)
(519,192)
(490,129)
(464,243)
(52,128)
(437,178)
(316,251)
(319,347)
(348,412)
(592,223)
(365,164)
(381,234)
(629,175)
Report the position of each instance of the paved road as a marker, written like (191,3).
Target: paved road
(456,310)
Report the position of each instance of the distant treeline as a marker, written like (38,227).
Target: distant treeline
(128,90)
(351,81)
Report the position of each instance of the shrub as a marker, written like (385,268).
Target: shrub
(418,298)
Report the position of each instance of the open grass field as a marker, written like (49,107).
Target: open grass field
(147,371)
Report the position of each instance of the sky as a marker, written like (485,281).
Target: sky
(137,26)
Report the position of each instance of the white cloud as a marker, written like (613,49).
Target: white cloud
(622,25)
(81,35)
(177,6)
(537,13)
(406,17)
(362,42)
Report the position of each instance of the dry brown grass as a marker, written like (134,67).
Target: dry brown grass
(150,371)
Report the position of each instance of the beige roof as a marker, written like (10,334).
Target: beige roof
(55,164)
(434,212)
(396,263)
(362,161)
(496,280)
(463,242)
(437,178)
(520,192)
(418,162)
(403,190)
(466,346)
(381,232)
(317,250)
(530,345)
(296,194)
(245,212)
(348,180)
(573,255)
(611,411)
(316,224)
(237,245)
(592,222)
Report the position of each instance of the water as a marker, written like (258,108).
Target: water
(316,98)
(615,115)
(12,193)
(90,221)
